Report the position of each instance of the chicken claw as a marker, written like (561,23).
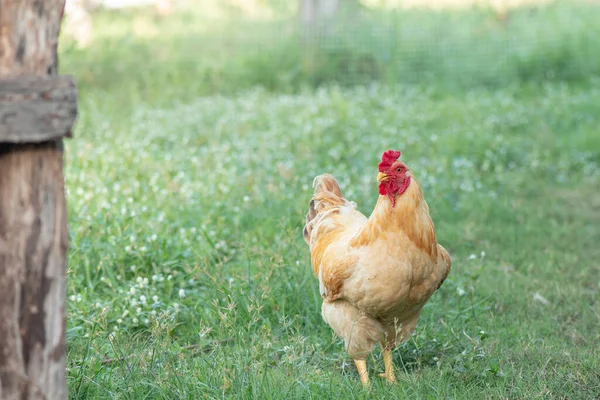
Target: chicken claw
(389,367)
(361,365)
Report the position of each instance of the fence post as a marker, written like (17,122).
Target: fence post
(37,109)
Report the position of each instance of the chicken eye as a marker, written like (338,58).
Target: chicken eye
(399,169)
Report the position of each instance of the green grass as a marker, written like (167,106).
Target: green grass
(199,201)
(190,55)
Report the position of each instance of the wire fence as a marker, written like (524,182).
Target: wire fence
(476,45)
(482,45)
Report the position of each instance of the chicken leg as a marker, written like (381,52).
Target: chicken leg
(361,365)
(389,366)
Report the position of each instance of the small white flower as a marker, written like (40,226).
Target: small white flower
(146,321)
(128,249)
(154,278)
(542,299)
(132,290)
(461,291)
(119,321)
(135,321)
(143,299)
(181,293)
(143,249)
(138,310)
(155,298)
(472,257)
(72,297)
(132,268)
(246,198)
(482,254)
(176,306)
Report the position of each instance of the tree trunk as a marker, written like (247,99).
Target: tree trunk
(315,14)
(33,221)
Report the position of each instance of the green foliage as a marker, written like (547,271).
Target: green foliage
(559,42)
(188,275)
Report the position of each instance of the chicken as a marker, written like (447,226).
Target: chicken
(376,274)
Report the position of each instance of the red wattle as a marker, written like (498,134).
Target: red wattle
(382,189)
(392,190)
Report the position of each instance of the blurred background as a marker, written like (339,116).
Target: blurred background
(201,126)
(219,46)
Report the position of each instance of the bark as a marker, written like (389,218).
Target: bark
(33,221)
(35,109)
(29,36)
(33,245)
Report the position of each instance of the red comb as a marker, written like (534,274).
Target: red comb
(387,159)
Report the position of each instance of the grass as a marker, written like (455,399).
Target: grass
(189,55)
(188,276)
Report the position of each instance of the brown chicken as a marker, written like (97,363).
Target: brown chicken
(376,274)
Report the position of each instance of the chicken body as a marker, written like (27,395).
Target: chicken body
(376,274)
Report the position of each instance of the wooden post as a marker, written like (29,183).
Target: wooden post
(317,20)
(315,15)
(37,109)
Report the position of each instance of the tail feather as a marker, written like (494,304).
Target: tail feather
(326,183)
(327,194)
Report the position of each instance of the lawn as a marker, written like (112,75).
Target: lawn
(188,276)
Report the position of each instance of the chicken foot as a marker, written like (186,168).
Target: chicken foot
(389,366)
(361,365)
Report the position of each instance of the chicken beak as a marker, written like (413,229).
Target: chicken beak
(382,177)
